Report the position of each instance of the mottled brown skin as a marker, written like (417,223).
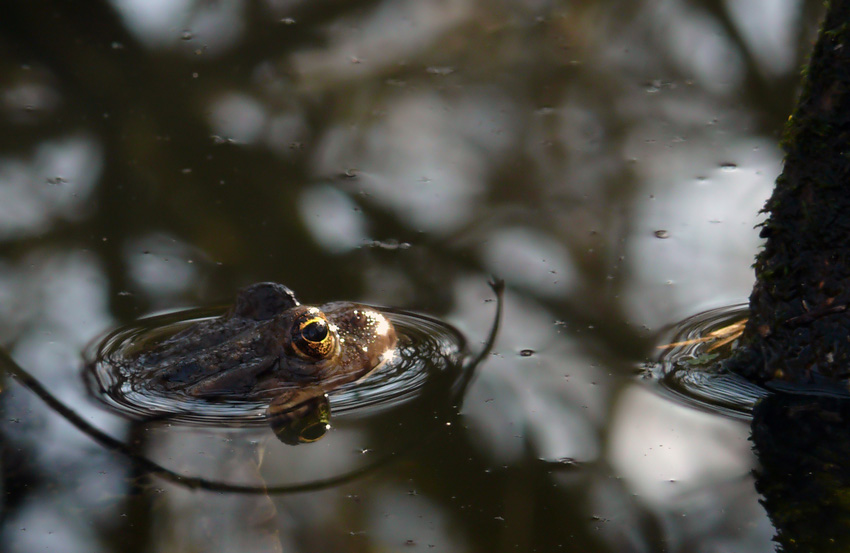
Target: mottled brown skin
(268,345)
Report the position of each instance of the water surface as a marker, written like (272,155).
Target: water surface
(608,159)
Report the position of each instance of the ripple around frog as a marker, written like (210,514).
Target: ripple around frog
(426,348)
(689,369)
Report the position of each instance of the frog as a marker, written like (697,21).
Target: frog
(268,345)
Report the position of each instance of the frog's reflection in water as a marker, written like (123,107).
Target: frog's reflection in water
(305,421)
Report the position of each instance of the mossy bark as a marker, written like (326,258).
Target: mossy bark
(799,326)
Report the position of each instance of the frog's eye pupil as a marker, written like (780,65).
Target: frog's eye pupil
(315,330)
(312,338)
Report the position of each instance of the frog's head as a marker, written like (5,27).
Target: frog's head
(337,343)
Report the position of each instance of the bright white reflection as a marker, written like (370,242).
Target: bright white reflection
(427,158)
(552,400)
(396,517)
(188,521)
(57,303)
(216,523)
(216,25)
(694,240)
(54,182)
(237,117)
(391,34)
(43,524)
(159,23)
(332,218)
(701,46)
(161,266)
(663,449)
(154,22)
(530,260)
(692,469)
(768,27)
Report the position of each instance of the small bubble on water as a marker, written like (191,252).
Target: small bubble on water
(656,85)
(728,167)
(389,244)
(288,21)
(441,71)
(662,234)
(526,353)
(217,140)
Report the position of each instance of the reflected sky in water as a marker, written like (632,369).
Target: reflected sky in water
(608,159)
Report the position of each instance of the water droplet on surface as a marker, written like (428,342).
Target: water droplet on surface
(389,244)
(287,21)
(662,234)
(442,71)
(526,353)
(187,35)
(657,85)
(728,167)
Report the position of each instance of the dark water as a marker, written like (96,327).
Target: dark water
(607,159)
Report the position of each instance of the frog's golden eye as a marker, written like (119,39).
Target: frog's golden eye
(312,337)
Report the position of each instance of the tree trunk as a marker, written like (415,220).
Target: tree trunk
(799,326)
